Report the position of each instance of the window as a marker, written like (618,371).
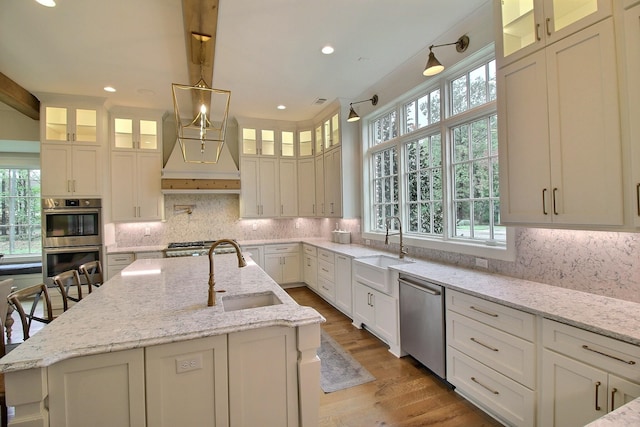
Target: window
(432,160)
(20,229)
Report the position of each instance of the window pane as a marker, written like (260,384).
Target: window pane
(435,106)
(410,116)
(478,87)
(20,228)
(463,219)
(423,111)
(426,218)
(481,179)
(492,80)
(459,101)
(461,143)
(436,150)
(479,136)
(462,181)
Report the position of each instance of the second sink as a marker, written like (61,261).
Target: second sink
(249,301)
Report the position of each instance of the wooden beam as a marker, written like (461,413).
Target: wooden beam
(201,17)
(15,96)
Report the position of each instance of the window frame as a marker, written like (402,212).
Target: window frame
(447,242)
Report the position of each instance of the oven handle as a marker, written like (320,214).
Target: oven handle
(72,211)
(67,249)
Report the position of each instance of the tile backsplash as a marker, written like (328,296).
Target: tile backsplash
(603,263)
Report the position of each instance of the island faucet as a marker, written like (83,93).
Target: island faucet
(241,263)
(403,251)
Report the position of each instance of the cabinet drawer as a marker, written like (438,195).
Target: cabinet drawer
(503,397)
(326,270)
(120,259)
(507,354)
(310,250)
(282,248)
(606,353)
(501,317)
(326,288)
(325,255)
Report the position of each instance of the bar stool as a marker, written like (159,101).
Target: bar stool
(92,271)
(31,294)
(66,281)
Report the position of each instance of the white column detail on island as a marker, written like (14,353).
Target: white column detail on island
(26,391)
(309,374)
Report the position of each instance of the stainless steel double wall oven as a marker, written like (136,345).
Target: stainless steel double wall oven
(71,234)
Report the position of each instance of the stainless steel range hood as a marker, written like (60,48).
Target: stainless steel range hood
(182,177)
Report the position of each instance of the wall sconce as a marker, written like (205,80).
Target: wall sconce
(353,116)
(434,66)
(201,113)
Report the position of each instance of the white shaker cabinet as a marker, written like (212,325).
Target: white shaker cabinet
(259,197)
(560,149)
(288,188)
(343,284)
(136,186)
(319,186)
(282,262)
(632,58)
(310,266)
(72,121)
(525,26)
(333,182)
(306,187)
(71,170)
(136,129)
(584,375)
(377,311)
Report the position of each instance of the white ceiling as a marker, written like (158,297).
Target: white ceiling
(267,51)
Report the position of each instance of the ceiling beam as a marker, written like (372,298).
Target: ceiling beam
(17,97)
(200,17)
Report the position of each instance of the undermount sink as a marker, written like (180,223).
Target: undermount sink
(374,271)
(249,301)
(382,261)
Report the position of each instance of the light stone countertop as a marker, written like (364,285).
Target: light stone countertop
(167,304)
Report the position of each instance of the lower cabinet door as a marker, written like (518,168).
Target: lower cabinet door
(263,378)
(362,306)
(99,390)
(573,393)
(187,383)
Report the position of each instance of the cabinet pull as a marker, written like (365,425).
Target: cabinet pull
(331,207)
(544,201)
(638,197)
(483,344)
(281,209)
(538,32)
(68,186)
(313,207)
(68,136)
(483,311)
(555,210)
(613,394)
(548,27)
(74,186)
(484,386)
(628,362)
(597,387)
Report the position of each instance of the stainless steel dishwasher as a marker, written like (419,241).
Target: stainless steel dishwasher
(422,322)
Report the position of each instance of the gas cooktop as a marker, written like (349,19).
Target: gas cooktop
(197,248)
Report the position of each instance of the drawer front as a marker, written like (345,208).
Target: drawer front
(310,250)
(120,259)
(327,289)
(501,317)
(325,255)
(326,270)
(282,248)
(609,354)
(503,397)
(505,353)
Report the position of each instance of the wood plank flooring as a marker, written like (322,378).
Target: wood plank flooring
(404,393)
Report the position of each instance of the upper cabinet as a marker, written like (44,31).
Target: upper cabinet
(71,124)
(258,142)
(559,134)
(287,144)
(136,130)
(73,134)
(528,25)
(331,129)
(632,56)
(305,143)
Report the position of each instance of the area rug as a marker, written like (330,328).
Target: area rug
(338,370)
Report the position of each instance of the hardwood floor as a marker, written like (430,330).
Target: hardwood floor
(404,393)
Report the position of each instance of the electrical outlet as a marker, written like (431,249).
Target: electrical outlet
(147,231)
(367,242)
(255,226)
(482,263)
(188,363)
(297,224)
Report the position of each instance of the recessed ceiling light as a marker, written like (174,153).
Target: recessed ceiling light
(109,89)
(47,3)
(327,50)
(282,107)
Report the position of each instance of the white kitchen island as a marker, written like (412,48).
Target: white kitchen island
(145,350)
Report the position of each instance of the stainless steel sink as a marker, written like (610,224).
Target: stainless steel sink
(249,301)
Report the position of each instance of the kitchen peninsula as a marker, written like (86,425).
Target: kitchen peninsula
(145,350)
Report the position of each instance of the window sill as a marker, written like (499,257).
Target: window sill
(502,253)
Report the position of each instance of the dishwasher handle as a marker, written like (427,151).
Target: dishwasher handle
(419,286)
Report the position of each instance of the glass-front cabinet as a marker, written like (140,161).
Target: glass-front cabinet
(258,142)
(319,140)
(71,124)
(527,25)
(287,144)
(305,143)
(136,130)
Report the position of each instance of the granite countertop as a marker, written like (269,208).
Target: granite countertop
(158,301)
